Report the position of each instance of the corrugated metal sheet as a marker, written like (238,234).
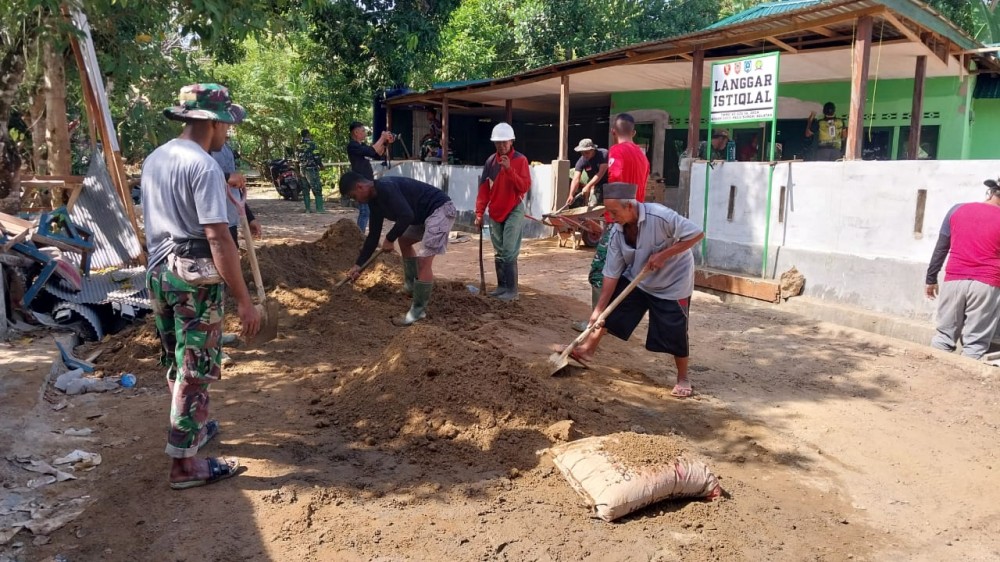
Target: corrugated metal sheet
(99,210)
(127,286)
(766,10)
(987,87)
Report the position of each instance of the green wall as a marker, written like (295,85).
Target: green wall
(945,100)
(985,137)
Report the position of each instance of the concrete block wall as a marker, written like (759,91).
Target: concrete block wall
(461,183)
(854,229)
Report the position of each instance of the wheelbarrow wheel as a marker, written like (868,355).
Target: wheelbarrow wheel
(591,239)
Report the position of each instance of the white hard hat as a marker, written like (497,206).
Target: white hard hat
(502,132)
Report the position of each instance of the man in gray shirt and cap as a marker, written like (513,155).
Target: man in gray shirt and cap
(647,236)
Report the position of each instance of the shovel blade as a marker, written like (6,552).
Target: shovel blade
(269,313)
(557,362)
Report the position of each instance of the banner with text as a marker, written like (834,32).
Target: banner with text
(745,89)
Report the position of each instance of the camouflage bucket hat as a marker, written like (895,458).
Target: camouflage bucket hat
(197,102)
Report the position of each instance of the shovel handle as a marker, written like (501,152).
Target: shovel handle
(252,254)
(364,266)
(604,315)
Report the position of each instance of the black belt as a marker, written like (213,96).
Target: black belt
(193,248)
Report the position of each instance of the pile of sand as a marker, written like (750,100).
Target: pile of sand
(430,385)
(636,449)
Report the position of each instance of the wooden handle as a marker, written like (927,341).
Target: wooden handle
(482,268)
(607,312)
(252,254)
(364,266)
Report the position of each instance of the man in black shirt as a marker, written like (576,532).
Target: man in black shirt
(422,214)
(594,161)
(358,154)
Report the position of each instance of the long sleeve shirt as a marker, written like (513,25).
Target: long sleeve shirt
(502,189)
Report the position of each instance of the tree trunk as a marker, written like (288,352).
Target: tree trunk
(11,74)
(60,159)
(36,122)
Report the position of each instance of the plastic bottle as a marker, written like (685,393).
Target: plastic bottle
(731,151)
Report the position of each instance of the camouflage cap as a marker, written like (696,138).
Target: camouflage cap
(199,102)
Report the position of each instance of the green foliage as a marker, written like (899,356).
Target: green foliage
(491,38)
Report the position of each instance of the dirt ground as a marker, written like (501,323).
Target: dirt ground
(363,441)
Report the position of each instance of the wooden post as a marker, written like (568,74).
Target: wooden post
(444,130)
(694,114)
(859,87)
(564,118)
(3,306)
(694,130)
(508,112)
(917,113)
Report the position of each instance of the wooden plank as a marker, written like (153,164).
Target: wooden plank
(3,304)
(917,112)
(859,87)
(767,290)
(820,30)
(14,224)
(564,118)
(508,112)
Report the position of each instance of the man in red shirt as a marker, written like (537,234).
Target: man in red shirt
(627,163)
(502,187)
(970,296)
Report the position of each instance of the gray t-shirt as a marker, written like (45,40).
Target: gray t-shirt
(227,161)
(659,228)
(183,189)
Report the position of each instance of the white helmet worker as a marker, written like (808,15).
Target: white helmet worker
(502,132)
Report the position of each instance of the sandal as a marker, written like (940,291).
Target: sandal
(218,468)
(211,430)
(681,391)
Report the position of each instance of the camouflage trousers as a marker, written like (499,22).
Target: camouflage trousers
(189,322)
(312,182)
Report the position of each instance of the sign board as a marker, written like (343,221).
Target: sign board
(745,89)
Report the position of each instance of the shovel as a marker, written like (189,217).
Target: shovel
(482,268)
(370,261)
(559,361)
(269,309)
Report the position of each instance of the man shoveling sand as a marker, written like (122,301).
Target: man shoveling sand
(647,235)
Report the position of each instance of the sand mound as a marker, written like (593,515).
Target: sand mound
(637,449)
(431,385)
(316,265)
(135,349)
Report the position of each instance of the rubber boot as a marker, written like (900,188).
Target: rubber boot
(409,275)
(305,198)
(418,310)
(319,202)
(501,281)
(510,276)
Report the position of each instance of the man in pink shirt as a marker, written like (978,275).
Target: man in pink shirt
(970,296)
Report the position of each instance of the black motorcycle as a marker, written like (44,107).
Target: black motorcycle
(285,181)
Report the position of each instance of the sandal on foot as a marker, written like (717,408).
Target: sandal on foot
(211,430)
(681,391)
(219,469)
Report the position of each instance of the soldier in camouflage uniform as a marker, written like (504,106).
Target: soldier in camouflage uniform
(310,163)
(192,258)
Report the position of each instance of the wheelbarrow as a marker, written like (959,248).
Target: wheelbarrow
(581,225)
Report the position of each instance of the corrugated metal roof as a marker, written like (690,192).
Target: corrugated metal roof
(764,11)
(122,286)
(987,87)
(99,210)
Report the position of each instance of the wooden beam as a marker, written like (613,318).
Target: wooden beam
(820,30)
(686,56)
(444,130)
(508,112)
(564,118)
(917,113)
(901,27)
(767,290)
(782,44)
(859,87)
(694,109)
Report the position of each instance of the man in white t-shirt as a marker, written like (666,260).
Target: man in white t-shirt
(192,258)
